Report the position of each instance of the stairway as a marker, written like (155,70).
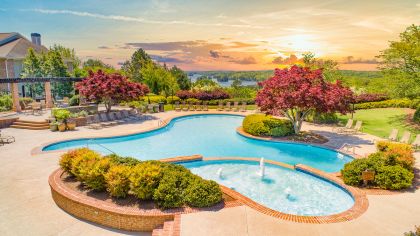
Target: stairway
(168,229)
(33,125)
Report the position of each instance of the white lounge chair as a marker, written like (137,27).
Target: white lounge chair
(345,128)
(393,135)
(406,137)
(356,129)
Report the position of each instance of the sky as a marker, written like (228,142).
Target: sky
(216,35)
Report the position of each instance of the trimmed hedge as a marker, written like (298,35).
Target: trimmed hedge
(322,118)
(392,163)
(263,125)
(168,185)
(398,103)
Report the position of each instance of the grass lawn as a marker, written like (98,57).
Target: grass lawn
(381,121)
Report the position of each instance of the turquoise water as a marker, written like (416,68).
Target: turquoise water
(210,136)
(281,189)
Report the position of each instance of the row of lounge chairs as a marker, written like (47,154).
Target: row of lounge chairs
(198,106)
(6,139)
(103,120)
(349,128)
(393,136)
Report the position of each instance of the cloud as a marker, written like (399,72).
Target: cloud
(214,54)
(292,59)
(370,24)
(138,19)
(244,61)
(352,60)
(104,47)
(168,59)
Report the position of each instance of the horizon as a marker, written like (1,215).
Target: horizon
(217,36)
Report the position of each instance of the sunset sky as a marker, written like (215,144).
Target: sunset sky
(216,35)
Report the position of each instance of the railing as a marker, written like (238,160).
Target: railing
(161,123)
(347,147)
(93,141)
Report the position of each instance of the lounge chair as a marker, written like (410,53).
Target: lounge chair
(93,123)
(177,107)
(228,108)
(393,135)
(6,138)
(343,129)
(356,129)
(205,106)
(220,108)
(104,120)
(236,106)
(191,106)
(184,106)
(150,108)
(406,137)
(243,107)
(416,142)
(198,106)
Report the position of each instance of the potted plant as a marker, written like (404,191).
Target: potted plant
(71,124)
(54,126)
(62,115)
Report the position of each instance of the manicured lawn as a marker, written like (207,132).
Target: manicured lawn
(381,121)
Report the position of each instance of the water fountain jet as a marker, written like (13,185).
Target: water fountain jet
(261,172)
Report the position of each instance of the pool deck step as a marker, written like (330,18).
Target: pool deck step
(28,124)
(169,228)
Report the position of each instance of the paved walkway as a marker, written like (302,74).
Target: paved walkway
(26,206)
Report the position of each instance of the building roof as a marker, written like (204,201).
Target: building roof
(15,46)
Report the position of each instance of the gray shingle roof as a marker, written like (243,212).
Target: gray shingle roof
(15,46)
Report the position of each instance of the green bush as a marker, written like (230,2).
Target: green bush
(154,99)
(117,180)
(352,172)
(192,100)
(6,103)
(95,178)
(260,125)
(81,164)
(202,193)
(172,99)
(75,100)
(144,179)
(171,190)
(394,177)
(399,103)
(322,118)
(416,117)
(61,114)
(127,161)
(66,161)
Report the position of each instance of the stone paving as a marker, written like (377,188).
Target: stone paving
(26,207)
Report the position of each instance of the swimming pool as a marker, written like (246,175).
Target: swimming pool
(210,136)
(281,189)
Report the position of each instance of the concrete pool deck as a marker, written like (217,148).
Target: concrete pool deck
(26,206)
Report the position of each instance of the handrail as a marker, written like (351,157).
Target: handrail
(161,123)
(92,140)
(346,147)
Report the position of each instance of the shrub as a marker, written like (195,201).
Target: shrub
(74,101)
(352,171)
(82,163)
(154,99)
(394,177)
(6,103)
(61,114)
(397,153)
(254,124)
(171,190)
(192,100)
(370,97)
(416,117)
(144,179)
(322,118)
(400,103)
(117,180)
(95,178)
(259,124)
(202,193)
(66,159)
(172,99)
(127,161)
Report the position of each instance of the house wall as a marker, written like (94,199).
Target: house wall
(6,73)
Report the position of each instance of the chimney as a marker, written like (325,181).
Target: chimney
(36,39)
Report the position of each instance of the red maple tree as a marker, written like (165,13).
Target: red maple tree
(297,91)
(110,88)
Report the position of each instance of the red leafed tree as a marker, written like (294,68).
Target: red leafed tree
(297,91)
(110,88)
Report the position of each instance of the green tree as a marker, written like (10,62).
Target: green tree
(181,77)
(133,67)
(330,68)
(205,83)
(236,83)
(158,79)
(32,67)
(401,62)
(55,67)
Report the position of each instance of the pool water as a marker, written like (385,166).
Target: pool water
(285,190)
(210,136)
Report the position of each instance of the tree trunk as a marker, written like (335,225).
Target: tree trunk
(108,106)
